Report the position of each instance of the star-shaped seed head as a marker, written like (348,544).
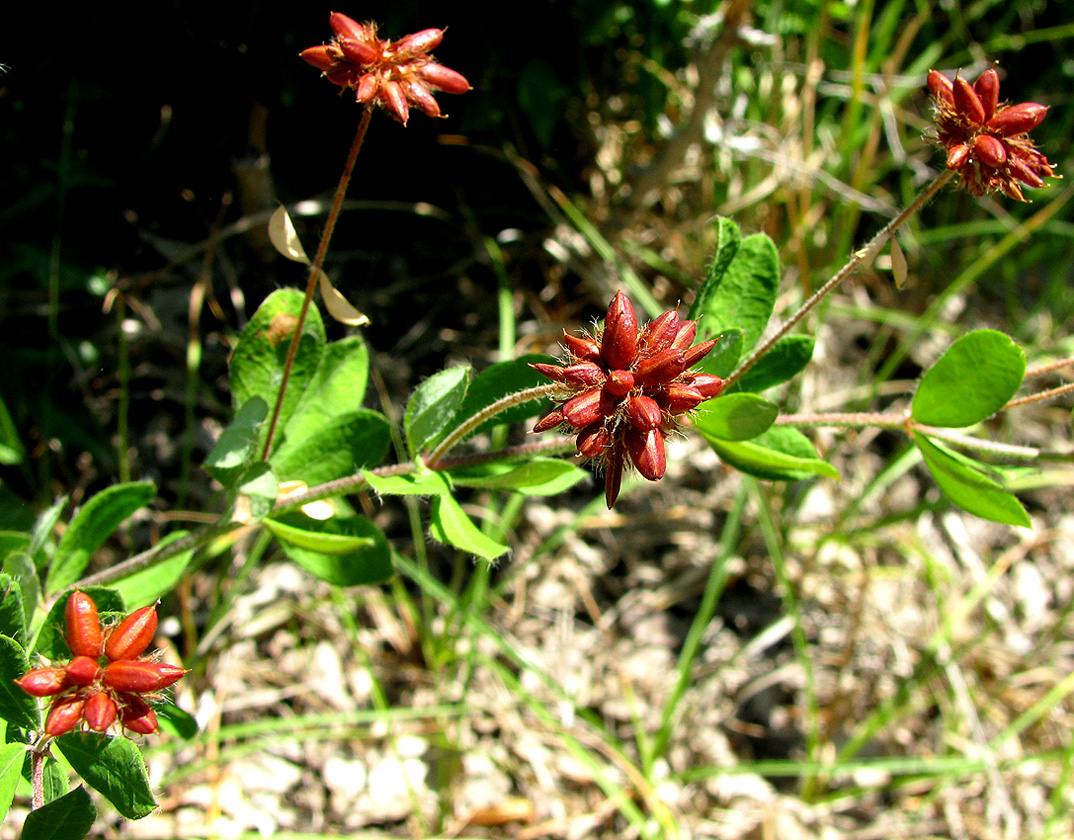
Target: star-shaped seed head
(395,75)
(987,143)
(108,680)
(623,389)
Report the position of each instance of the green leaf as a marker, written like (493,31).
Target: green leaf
(11,451)
(258,361)
(256,492)
(722,359)
(12,613)
(779,454)
(50,639)
(238,442)
(728,240)
(735,417)
(432,407)
(70,817)
(422,483)
(745,295)
(112,766)
(970,382)
(451,525)
(174,720)
(140,589)
(965,482)
(497,381)
(16,706)
(343,552)
(92,525)
(786,359)
(45,525)
(341,447)
(22,569)
(11,758)
(336,388)
(539,477)
(13,541)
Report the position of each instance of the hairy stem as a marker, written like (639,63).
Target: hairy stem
(860,256)
(315,268)
(37,777)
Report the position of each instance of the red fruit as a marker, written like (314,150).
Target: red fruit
(1018,119)
(678,398)
(44,682)
(348,28)
(987,89)
(65,715)
(583,349)
(421,97)
(319,57)
(990,150)
(444,78)
(83,670)
(593,440)
(619,342)
(967,102)
(135,714)
(660,332)
(133,635)
(686,335)
(140,677)
(646,450)
(368,86)
(708,385)
(418,43)
(957,156)
(695,354)
(586,408)
(620,383)
(940,87)
(395,101)
(643,412)
(100,712)
(585,374)
(83,626)
(551,420)
(660,368)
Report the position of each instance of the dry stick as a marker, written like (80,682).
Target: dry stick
(315,267)
(859,257)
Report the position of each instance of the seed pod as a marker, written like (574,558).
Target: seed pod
(368,85)
(83,626)
(138,677)
(593,440)
(417,43)
(44,682)
(83,670)
(990,150)
(342,75)
(1023,173)
(646,450)
(582,349)
(358,52)
(135,714)
(586,408)
(686,335)
(696,353)
(987,89)
(349,28)
(660,368)
(957,156)
(708,385)
(133,635)
(395,101)
(620,383)
(967,103)
(1017,119)
(550,421)
(613,474)
(100,712)
(643,412)
(319,57)
(659,333)
(619,343)
(420,97)
(443,78)
(678,398)
(586,374)
(65,714)
(940,87)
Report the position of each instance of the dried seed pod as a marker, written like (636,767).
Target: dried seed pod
(1017,119)
(708,385)
(586,408)
(990,150)
(660,368)
(83,670)
(593,440)
(659,333)
(100,711)
(417,43)
(940,87)
(619,342)
(678,398)
(319,56)
(138,677)
(686,335)
(421,97)
(582,349)
(83,626)
(695,354)
(349,28)
(358,52)
(133,635)
(395,101)
(368,85)
(44,682)
(1023,173)
(957,156)
(585,374)
(967,103)
(987,89)
(65,714)
(551,420)
(613,472)
(135,714)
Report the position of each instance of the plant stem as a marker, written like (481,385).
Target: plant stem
(860,256)
(315,268)
(37,776)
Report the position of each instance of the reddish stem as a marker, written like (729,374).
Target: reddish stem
(315,267)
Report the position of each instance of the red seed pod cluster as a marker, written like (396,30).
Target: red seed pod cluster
(396,75)
(986,142)
(99,690)
(625,388)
